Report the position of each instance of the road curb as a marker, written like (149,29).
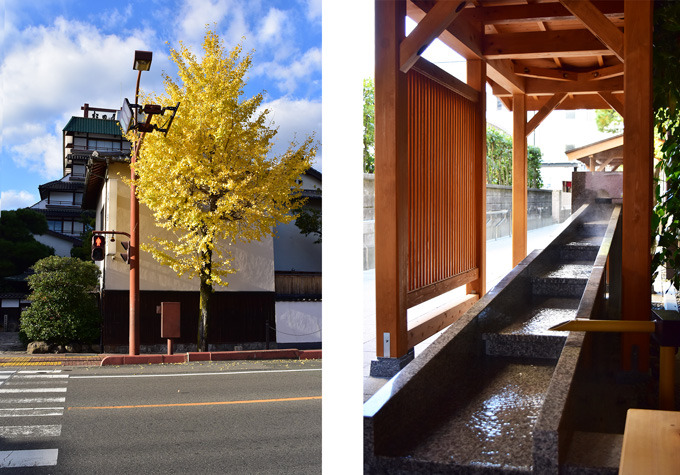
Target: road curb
(294,354)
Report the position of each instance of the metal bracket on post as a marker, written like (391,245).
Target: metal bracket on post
(386,345)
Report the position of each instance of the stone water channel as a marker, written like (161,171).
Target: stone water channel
(473,402)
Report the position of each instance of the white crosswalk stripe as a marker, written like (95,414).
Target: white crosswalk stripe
(28,458)
(32,400)
(25,395)
(48,430)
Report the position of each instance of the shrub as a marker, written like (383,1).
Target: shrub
(63,309)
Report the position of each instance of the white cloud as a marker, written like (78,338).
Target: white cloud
(287,76)
(12,199)
(42,154)
(70,63)
(194,15)
(49,74)
(295,119)
(313,10)
(272,26)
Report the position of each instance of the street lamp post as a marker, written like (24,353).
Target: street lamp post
(142,63)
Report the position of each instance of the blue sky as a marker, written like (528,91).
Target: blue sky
(57,55)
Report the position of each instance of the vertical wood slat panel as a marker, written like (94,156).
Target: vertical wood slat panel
(441,188)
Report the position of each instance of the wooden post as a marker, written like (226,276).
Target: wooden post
(391,181)
(519,178)
(476,77)
(637,179)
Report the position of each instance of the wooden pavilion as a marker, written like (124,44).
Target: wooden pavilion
(430,134)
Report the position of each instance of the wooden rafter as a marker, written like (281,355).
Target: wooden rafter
(598,24)
(427,30)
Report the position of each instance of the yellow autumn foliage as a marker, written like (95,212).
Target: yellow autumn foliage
(213,180)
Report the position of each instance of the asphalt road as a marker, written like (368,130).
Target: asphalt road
(200,418)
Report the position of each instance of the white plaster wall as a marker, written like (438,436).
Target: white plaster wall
(298,322)
(61,247)
(254,261)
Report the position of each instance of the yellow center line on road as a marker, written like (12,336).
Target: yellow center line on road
(32,363)
(185,404)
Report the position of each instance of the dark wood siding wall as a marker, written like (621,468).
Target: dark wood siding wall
(235,317)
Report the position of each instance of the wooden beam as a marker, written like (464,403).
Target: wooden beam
(437,320)
(637,180)
(502,72)
(427,30)
(476,78)
(519,178)
(546,87)
(603,165)
(463,36)
(424,294)
(602,73)
(541,12)
(391,184)
(613,101)
(597,24)
(544,73)
(542,44)
(450,82)
(549,106)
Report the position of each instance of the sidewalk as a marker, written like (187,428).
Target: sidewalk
(18,358)
(498,264)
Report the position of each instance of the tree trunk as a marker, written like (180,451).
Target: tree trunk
(205,291)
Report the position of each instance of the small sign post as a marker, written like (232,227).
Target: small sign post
(170,322)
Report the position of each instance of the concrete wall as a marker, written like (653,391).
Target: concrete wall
(369,221)
(545,207)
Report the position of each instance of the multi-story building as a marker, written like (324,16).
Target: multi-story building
(243,314)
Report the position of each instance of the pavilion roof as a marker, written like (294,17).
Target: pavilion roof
(564,51)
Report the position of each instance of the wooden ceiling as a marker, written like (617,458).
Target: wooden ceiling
(564,51)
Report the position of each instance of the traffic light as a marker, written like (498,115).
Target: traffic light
(98,251)
(125,255)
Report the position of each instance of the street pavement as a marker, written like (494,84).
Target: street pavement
(208,417)
(498,264)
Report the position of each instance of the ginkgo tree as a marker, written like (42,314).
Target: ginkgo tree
(213,180)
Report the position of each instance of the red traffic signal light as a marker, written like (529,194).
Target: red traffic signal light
(98,251)
(125,255)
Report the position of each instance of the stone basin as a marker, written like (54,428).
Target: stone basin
(489,394)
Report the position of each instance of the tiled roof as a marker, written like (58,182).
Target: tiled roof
(93,126)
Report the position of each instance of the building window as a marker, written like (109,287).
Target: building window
(499,104)
(54,225)
(570,114)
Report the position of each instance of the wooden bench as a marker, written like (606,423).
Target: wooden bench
(651,443)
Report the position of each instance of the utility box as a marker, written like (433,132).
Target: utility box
(170,319)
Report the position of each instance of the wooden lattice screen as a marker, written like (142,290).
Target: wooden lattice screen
(441,199)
